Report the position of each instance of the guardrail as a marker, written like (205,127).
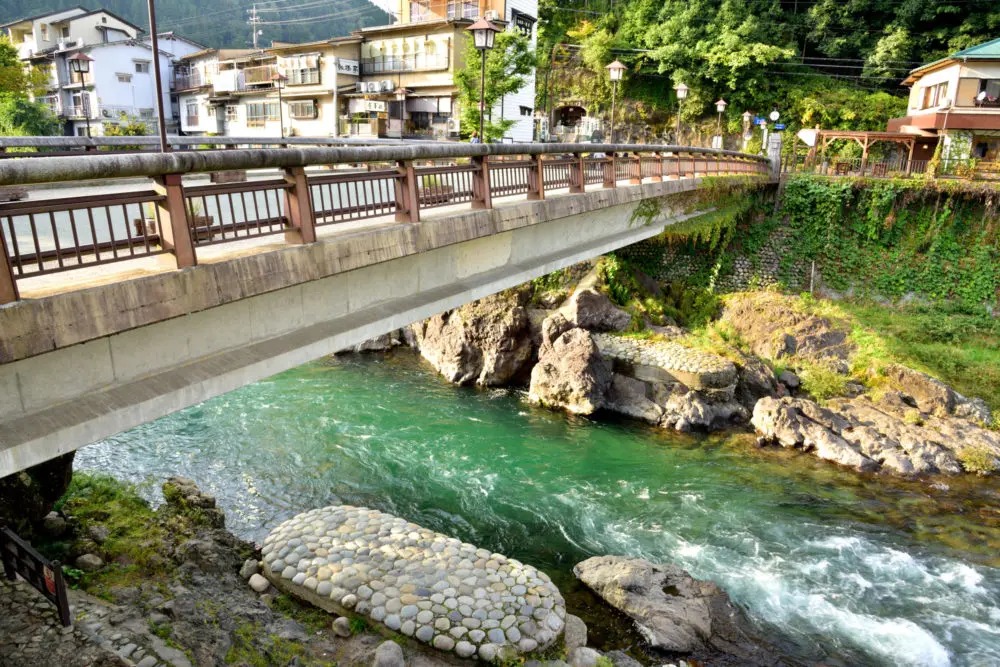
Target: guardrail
(36,147)
(895,168)
(60,234)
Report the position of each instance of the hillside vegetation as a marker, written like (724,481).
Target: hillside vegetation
(224,23)
(830,62)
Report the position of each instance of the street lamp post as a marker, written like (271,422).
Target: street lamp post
(483,33)
(278,79)
(682,93)
(720,106)
(615,71)
(401,98)
(80,63)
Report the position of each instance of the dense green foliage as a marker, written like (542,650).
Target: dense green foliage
(508,63)
(828,62)
(224,23)
(893,238)
(19,116)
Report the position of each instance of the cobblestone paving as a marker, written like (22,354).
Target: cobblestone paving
(423,584)
(711,369)
(102,635)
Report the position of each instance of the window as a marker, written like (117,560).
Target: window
(232,113)
(142,67)
(65,31)
(303,76)
(935,95)
(191,112)
(123,77)
(304,109)
(259,112)
(526,111)
(147,114)
(45,33)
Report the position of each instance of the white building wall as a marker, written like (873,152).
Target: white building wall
(119,87)
(510,107)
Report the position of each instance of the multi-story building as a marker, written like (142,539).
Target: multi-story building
(416,59)
(287,90)
(957,100)
(118,85)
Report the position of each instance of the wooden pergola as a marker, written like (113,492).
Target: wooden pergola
(866,140)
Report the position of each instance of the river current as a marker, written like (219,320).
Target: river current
(844,568)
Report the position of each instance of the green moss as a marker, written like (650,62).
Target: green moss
(311,617)
(978,459)
(253,648)
(358,625)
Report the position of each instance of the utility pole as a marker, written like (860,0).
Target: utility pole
(254,21)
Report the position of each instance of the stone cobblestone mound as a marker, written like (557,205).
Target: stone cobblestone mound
(666,361)
(441,591)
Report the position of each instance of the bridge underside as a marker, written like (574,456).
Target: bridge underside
(85,365)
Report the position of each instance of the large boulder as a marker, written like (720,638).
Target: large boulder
(754,380)
(628,396)
(890,434)
(486,342)
(28,496)
(773,328)
(687,410)
(571,374)
(672,610)
(591,310)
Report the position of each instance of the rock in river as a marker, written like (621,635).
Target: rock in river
(672,610)
(354,560)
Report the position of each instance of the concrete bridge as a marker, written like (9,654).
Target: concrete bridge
(129,305)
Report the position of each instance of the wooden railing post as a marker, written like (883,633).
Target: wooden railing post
(481,195)
(407,200)
(635,170)
(8,286)
(610,178)
(577,176)
(536,178)
(658,167)
(298,205)
(172,215)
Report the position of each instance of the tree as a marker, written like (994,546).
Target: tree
(18,114)
(508,64)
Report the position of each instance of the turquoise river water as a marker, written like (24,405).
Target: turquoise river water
(841,568)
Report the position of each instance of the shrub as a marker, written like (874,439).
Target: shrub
(978,459)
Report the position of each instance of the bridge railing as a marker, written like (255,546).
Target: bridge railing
(21,147)
(63,233)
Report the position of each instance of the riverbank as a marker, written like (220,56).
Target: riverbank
(172,588)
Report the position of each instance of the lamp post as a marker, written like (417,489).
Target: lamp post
(747,117)
(401,98)
(682,93)
(278,79)
(720,106)
(80,63)
(615,71)
(483,33)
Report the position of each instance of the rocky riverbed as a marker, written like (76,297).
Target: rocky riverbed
(578,357)
(387,593)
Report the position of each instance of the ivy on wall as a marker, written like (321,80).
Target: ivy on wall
(938,240)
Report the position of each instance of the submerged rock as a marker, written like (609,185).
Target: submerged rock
(673,611)
(443,592)
(571,374)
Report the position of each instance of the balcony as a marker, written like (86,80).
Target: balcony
(190,80)
(416,63)
(256,78)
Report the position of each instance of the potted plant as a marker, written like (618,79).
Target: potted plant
(146,225)
(432,191)
(200,224)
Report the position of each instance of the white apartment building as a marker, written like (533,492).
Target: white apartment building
(287,90)
(119,84)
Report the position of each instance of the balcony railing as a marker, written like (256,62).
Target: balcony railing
(256,77)
(414,63)
(64,233)
(194,79)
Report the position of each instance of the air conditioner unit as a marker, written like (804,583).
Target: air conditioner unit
(360,86)
(106,113)
(372,86)
(491,15)
(387,86)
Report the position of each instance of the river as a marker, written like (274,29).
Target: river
(839,567)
